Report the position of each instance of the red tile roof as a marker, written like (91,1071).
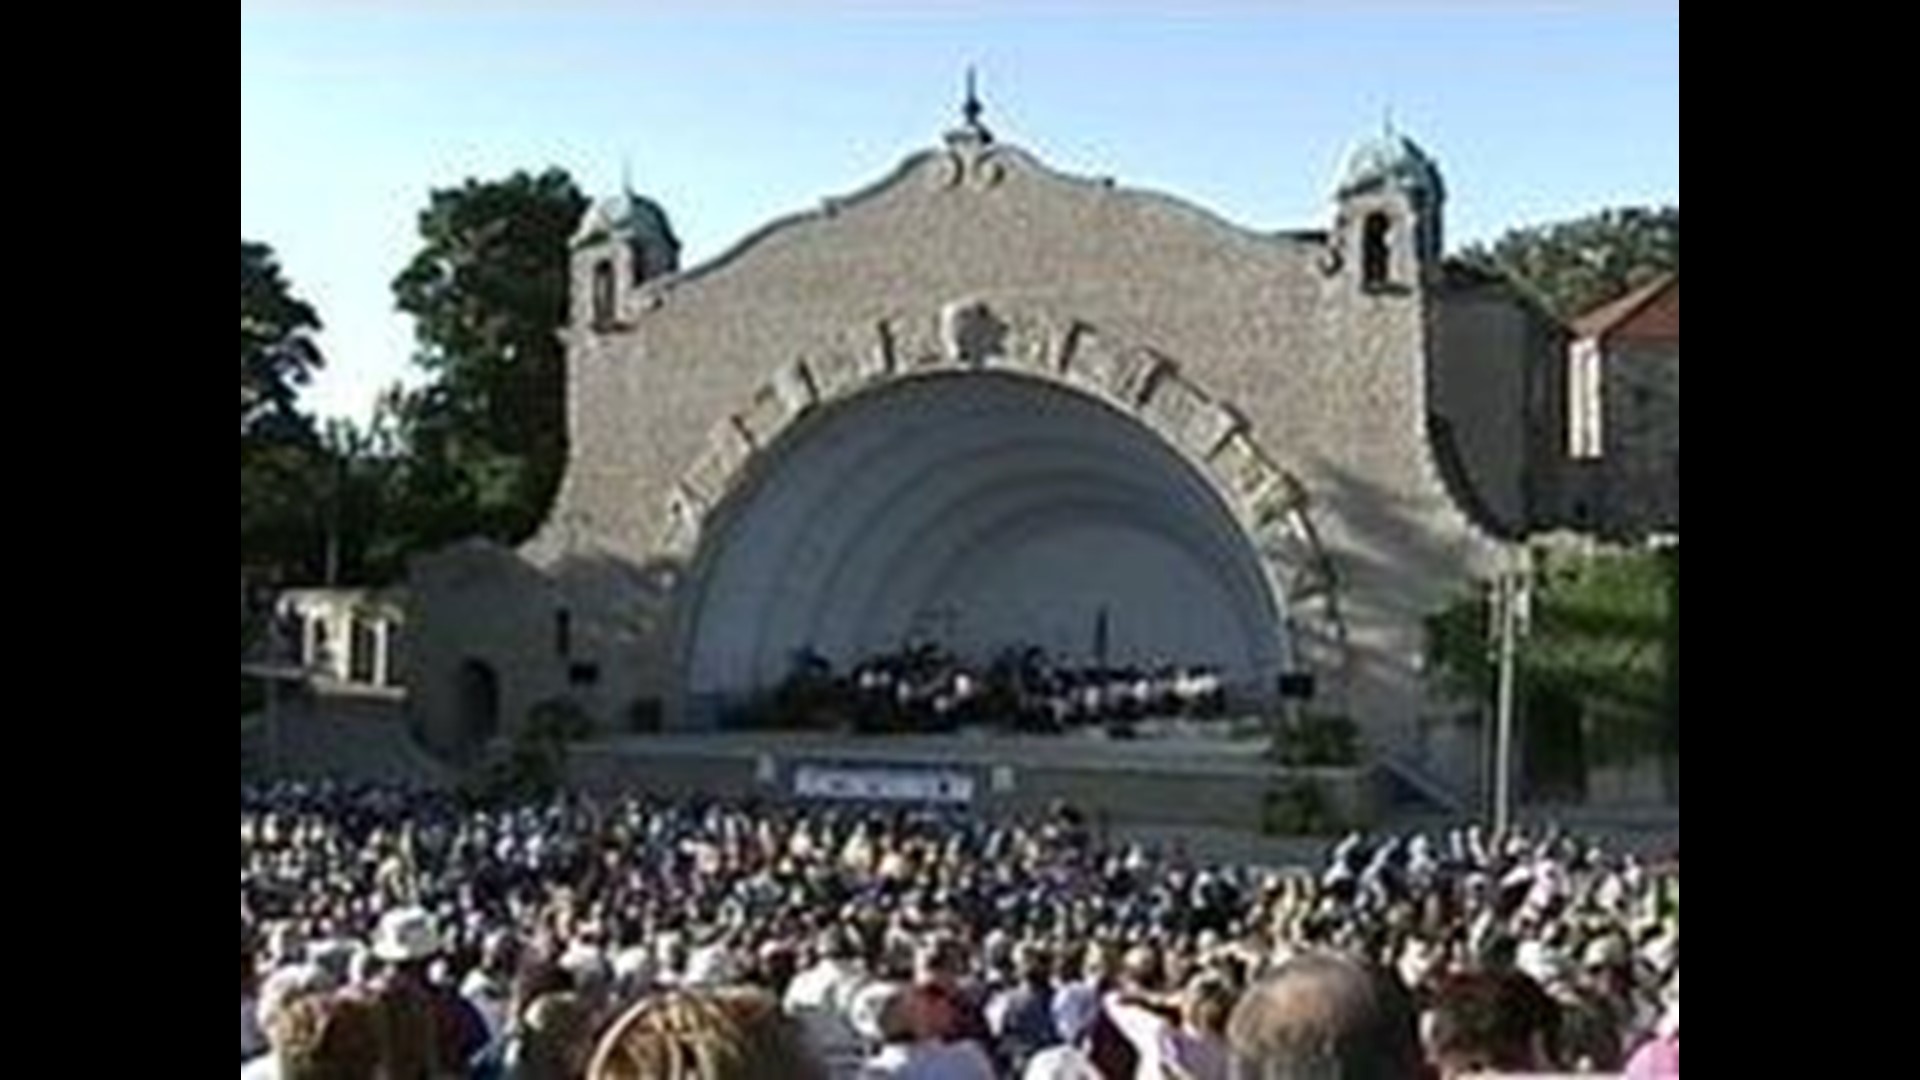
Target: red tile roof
(1608,317)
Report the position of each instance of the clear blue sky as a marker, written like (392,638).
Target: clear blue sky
(351,111)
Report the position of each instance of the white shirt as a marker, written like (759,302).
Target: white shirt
(829,984)
(821,1000)
(1161,1044)
(1062,1063)
(709,966)
(930,1061)
(1151,1036)
(490,1000)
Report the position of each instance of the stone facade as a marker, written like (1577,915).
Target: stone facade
(1622,459)
(1499,401)
(983,384)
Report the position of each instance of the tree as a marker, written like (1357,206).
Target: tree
(486,439)
(360,498)
(1603,646)
(277,440)
(1575,266)
(313,498)
(277,353)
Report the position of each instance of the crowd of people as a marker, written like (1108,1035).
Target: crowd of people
(929,689)
(389,933)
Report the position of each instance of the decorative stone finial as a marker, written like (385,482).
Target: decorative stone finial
(971,131)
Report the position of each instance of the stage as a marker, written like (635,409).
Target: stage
(1180,782)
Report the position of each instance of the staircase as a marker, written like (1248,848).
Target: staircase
(324,736)
(1408,789)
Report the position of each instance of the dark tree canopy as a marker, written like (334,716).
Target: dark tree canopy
(1575,266)
(277,353)
(488,292)
(477,451)
(278,444)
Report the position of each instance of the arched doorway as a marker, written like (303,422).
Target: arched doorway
(479,698)
(984,510)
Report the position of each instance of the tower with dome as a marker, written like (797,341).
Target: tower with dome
(985,401)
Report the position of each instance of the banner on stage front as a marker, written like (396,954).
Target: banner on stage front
(883,785)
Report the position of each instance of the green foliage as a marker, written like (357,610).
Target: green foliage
(278,526)
(327,509)
(361,498)
(1670,730)
(1459,647)
(277,353)
(1301,807)
(1318,742)
(1575,266)
(277,442)
(253,696)
(486,439)
(534,766)
(557,722)
(1603,645)
(478,451)
(1603,640)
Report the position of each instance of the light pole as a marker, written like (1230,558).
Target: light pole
(1510,599)
(275,650)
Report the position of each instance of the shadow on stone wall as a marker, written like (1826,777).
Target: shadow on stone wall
(632,625)
(1400,561)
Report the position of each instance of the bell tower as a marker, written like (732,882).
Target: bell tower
(1390,212)
(622,243)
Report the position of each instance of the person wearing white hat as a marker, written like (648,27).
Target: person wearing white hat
(405,937)
(454,1033)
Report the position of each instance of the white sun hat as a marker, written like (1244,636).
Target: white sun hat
(406,936)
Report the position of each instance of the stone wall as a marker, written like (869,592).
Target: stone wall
(1499,383)
(1139,783)
(1641,472)
(1328,377)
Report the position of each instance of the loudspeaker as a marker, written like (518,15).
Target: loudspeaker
(1299,687)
